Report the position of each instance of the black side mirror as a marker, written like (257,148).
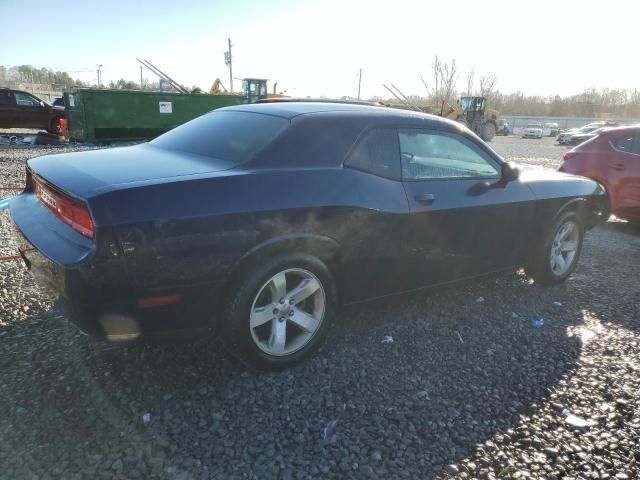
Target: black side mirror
(510,172)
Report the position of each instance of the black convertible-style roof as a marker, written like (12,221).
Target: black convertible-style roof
(293,109)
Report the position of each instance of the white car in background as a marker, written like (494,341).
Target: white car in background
(533,130)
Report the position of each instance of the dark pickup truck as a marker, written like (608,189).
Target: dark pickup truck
(20,109)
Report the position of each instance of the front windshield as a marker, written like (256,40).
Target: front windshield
(466,103)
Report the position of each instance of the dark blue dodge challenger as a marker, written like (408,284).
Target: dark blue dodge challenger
(258,220)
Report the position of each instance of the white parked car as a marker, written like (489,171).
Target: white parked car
(533,130)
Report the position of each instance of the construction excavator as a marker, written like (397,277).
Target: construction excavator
(217,88)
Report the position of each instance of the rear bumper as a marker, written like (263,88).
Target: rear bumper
(109,309)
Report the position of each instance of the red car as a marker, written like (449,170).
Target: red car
(613,159)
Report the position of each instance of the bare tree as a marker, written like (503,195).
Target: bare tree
(448,80)
(488,85)
(471,80)
(436,67)
(445,79)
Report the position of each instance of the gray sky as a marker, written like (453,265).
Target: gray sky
(316,47)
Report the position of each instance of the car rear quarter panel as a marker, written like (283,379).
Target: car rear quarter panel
(196,231)
(66,263)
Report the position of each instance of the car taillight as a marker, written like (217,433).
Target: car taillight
(70,211)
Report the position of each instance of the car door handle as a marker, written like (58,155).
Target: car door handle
(424,198)
(617,166)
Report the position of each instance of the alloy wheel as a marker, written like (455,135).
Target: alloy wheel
(564,248)
(287,312)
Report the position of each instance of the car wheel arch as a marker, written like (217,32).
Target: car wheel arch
(579,206)
(55,121)
(321,247)
(607,188)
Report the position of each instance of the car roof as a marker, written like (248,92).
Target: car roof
(623,129)
(290,110)
(15,90)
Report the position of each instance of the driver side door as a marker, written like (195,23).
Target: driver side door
(29,112)
(465,220)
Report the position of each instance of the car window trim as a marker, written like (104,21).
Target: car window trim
(28,95)
(636,140)
(357,142)
(437,128)
(440,179)
(636,145)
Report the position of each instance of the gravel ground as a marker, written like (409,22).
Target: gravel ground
(544,152)
(466,389)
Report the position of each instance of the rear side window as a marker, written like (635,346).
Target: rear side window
(6,98)
(377,152)
(624,144)
(235,137)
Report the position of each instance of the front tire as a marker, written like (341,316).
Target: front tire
(488,131)
(558,256)
(279,312)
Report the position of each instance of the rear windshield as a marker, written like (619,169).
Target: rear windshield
(227,135)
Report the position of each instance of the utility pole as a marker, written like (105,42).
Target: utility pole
(359,82)
(228,60)
(141,78)
(98,72)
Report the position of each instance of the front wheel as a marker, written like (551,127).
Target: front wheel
(557,258)
(279,312)
(488,131)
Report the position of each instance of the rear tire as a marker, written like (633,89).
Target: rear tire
(488,131)
(558,256)
(53,126)
(279,311)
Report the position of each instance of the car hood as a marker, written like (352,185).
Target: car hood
(93,171)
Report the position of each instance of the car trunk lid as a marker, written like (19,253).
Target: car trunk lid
(82,174)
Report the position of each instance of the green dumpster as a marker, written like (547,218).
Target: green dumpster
(105,115)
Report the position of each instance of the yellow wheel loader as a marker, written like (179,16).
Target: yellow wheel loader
(473,112)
